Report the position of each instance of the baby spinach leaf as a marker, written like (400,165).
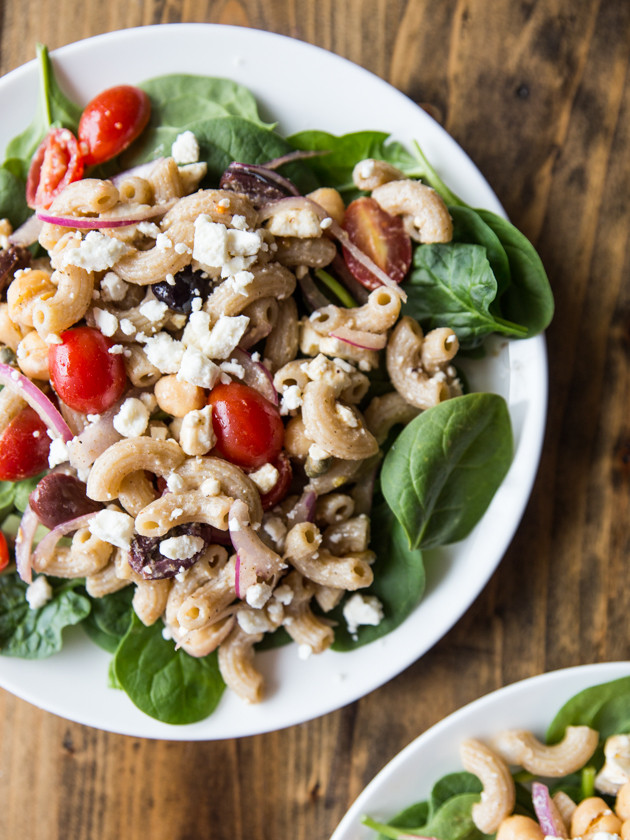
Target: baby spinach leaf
(23,490)
(446,465)
(399,581)
(180,99)
(54,109)
(110,618)
(13,204)
(334,169)
(528,299)
(468,226)
(165,683)
(7,497)
(603,707)
(453,285)
(35,634)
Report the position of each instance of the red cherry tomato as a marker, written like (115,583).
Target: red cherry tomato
(248,427)
(111,121)
(380,236)
(281,487)
(85,375)
(4,552)
(24,446)
(56,163)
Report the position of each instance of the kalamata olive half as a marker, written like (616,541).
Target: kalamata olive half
(258,184)
(11,259)
(59,498)
(179,295)
(146,559)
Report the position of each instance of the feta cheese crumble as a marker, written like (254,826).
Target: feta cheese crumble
(362,609)
(38,593)
(113,527)
(97,252)
(185,148)
(181,548)
(132,418)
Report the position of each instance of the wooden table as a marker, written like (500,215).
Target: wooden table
(538,95)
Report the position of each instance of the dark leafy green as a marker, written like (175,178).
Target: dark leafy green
(445,466)
(454,285)
(36,634)
(109,619)
(165,683)
(399,581)
(604,707)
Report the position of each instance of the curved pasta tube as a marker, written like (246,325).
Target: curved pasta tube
(105,581)
(146,267)
(271,280)
(338,429)
(179,508)
(302,549)
(86,197)
(377,315)
(27,289)
(387,411)
(300,622)
(136,492)
(110,469)
(231,479)
(220,205)
(236,664)
(149,599)
(86,556)
(69,303)
(207,602)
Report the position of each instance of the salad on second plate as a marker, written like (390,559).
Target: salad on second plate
(211,337)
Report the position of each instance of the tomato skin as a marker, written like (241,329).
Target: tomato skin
(380,236)
(281,487)
(24,446)
(4,552)
(56,163)
(111,121)
(248,428)
(84,374)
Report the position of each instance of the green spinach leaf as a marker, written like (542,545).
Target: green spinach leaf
(453,285)
(603,707)
(36,634)
(399,581)
(446,465)
(110,618)
(165,683)
(13,204)
(468,226)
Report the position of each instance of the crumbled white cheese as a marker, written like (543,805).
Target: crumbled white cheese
(116,350)
(347,416)
(166,634)
(53,338)
(185,148)
(149,229)
(362,609)
(97,252)
(165,352)
(239,222)
(113,287)
(302,222)
(181,548)
(258,594)
(58,452)
(175,483)
(284,594)
(210,244)
(197,369)
(304,651)
(153,310)
(225,335)
(253,621)
(38,593)
(616,769)
(132,418)
(210,487)
(232,368)
(317,453)
(265,477)
(241,281)
(127,326)
(113,527)
(182,248)
(106,321)
(149,400)
(196,435)
(291,399)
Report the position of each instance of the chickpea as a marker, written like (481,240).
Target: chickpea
(32,356)
(518,827)
(622,805)
(178,398)
(591,815)
(331,201)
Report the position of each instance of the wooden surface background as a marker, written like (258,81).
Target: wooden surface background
(537,93)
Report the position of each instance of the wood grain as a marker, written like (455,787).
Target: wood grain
(537,93)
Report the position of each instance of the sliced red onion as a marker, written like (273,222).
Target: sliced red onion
(256,375)
(22,385)
(255,561)
(547,814)
(24,544)
(102,222)
(359,338)
(94,440)
(304,508)
(27,233)
(298,154)
(47,545)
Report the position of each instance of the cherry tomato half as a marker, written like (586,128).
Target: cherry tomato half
(4,552)
(56,163)
(380,236)
(248,427)
(85,375)
(111,121)
(281,487)
(24,446)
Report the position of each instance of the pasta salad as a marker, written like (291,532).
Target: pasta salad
(574,783)
(207,359)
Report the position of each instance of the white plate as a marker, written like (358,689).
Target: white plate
(301,87)
(409,777)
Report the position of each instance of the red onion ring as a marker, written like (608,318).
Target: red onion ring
(22,385)
(304,509)
(298,154)
(103,222)
(256,375)
(27,233)
(547,814)
(24,544)
(44,550)
(255,561)
(359,338)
